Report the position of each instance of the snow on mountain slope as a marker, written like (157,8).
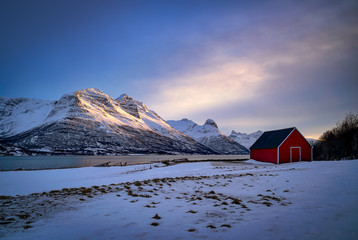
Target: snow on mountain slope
(148,117)
(21,114)
(245,139)
(89,121)
(102,108)
(86,104)
(194,130)
(209,135)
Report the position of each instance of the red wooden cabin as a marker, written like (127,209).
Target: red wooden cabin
(282,146)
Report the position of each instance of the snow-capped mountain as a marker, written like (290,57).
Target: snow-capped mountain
(245,139)
(89,122)
(148,117)
(21,114)
(209,135)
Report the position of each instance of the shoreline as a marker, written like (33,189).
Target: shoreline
(33,163)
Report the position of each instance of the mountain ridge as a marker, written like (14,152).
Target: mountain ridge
(209,135)
(245,139)
(90,122)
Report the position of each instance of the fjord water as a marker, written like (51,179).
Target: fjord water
(8,163)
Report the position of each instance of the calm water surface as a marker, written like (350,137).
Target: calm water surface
(53,162)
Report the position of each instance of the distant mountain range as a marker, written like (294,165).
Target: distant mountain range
(91,122)
(209,135)
(244,139)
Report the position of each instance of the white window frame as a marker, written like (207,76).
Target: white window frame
(291,153)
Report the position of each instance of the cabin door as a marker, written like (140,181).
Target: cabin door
(295,154)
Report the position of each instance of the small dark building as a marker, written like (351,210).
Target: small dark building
(281,146)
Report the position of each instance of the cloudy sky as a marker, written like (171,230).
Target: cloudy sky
(248,65)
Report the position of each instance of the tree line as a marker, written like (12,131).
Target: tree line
(341,142)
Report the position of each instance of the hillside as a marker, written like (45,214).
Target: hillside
(90,122)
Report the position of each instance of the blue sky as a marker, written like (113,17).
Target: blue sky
(248,65)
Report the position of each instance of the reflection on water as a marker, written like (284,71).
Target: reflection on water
(51,162)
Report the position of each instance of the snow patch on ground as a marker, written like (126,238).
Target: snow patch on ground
(252,161)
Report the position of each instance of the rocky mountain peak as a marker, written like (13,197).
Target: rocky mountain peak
(245,139)
(90,91)
(233,132)
(129,105)
(124,97)
(209,135)
(211,123)
(89,94)
(94,96)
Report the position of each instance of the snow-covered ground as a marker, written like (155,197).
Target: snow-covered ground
(307,200)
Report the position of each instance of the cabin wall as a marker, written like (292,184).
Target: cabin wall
(295,140)
(264,155)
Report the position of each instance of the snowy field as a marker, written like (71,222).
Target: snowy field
(244,200)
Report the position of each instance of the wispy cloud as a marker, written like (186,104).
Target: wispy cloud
(248,65)
(225,80)
(220,84)
(282,69)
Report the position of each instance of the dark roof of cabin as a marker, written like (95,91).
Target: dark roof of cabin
(271,139)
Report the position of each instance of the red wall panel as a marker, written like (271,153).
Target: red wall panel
(295,140)
(264,155)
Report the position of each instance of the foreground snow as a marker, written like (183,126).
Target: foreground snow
(315,200)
